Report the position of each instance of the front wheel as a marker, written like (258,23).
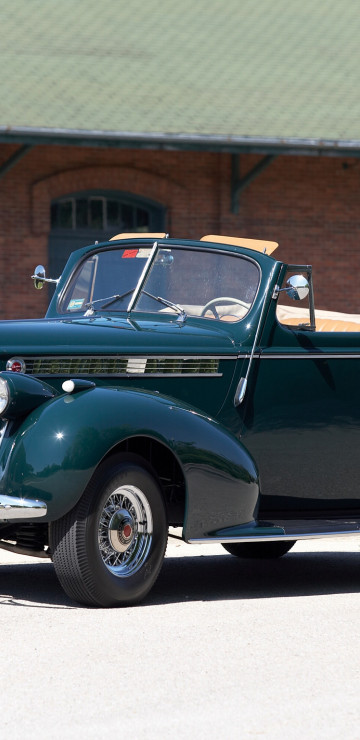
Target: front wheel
(274,549)
(109,549)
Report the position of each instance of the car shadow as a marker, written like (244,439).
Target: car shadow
(220,577)
(205,578)
(32,585)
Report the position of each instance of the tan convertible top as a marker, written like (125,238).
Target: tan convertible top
(257,244)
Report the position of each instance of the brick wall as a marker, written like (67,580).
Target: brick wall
(310,205)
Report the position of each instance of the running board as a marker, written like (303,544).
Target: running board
(295,529)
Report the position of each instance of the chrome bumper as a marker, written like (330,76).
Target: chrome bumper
(12,507)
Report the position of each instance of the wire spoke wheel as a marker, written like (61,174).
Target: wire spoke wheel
(125,531)
(108,550)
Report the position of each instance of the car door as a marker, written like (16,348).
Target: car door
(301,418)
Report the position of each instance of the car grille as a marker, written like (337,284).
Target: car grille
(104,366)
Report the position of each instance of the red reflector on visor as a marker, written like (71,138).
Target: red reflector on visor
(129,253)
(16,365)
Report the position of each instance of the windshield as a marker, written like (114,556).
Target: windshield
(200,282)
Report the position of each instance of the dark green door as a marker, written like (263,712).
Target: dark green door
(302,420)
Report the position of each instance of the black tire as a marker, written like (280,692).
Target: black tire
(259,550)
(120,519)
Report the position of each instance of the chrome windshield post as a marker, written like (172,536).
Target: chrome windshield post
(142,277)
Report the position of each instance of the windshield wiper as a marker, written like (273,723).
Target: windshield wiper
(179,309)
(109,301)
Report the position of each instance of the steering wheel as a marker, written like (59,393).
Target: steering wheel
(222,301)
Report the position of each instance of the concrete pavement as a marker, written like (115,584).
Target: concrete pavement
(221,647)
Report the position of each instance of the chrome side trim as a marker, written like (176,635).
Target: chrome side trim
(272,538)
(12,507)
(301,356)
(311,356)
(166,375)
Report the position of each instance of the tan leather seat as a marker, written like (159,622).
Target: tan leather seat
(336,325)
(323,324)
(294,320)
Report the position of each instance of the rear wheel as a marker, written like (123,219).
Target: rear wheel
(259,550)
(109,549)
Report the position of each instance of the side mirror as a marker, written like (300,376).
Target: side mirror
(297,287)
(39,278)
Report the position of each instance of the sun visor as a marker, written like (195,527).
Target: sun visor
(139,235)
(257,244)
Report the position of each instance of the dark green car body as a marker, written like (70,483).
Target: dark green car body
(162,383)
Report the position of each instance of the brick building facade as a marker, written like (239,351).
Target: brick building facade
(309,204)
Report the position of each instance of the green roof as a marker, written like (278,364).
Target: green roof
(285,71)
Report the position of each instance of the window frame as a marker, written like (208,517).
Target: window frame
(156,212)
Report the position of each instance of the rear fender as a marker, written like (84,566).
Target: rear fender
(57,448)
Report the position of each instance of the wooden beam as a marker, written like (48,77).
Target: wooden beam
(239,184)
(11,162)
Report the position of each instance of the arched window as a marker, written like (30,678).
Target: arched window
(78,219)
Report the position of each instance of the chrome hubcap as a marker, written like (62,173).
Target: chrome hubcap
(125,530)
(121,530)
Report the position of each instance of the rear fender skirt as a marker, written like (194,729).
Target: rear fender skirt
(56,450)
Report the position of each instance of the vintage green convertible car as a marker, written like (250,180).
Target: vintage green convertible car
(175,383)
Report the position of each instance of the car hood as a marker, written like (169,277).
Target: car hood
(107,334)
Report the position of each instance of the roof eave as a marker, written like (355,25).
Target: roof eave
(180,141)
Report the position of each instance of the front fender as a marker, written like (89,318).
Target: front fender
(57,448)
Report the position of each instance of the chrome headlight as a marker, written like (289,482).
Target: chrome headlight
(4,395)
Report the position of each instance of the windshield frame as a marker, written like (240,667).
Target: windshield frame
(155,247)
